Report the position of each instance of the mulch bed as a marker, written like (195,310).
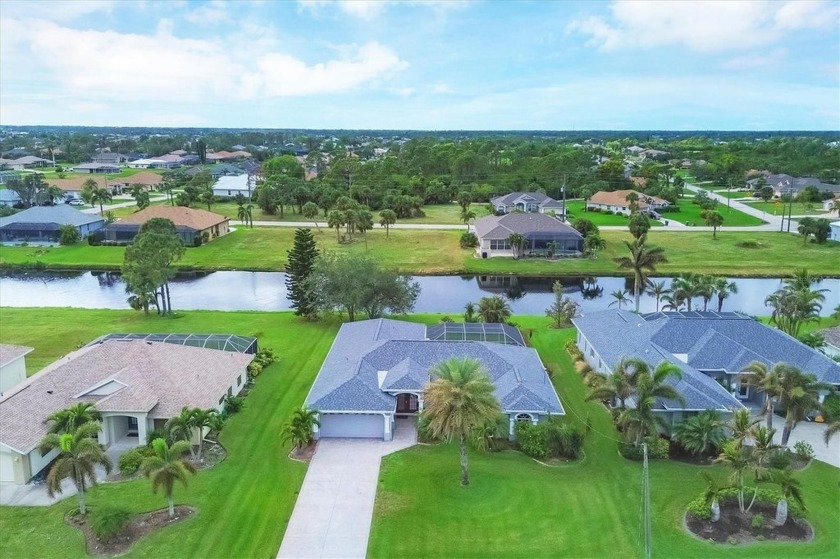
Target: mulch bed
(735,527)
(304,454)
(139,526)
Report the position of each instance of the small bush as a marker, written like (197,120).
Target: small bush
(157,434)
(732,540)
(658,448)
(131,460)
(582,367)
(750,244)
(68,235)
(804,450)
(108,522)
(532,440)
(423,432)
(780,459)
(254,369)
(757,520)
(729,497)
(468,240)
(700,509)
(233,404)
(831,408)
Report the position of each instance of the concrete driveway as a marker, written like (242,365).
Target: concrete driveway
(811,433)
(334,509)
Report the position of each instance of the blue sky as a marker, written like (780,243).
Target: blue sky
(757,65)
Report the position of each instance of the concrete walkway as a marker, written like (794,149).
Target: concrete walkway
(334,509)
(811,433)
(32,495)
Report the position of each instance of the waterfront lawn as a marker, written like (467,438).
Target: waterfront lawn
(437,252)
(244,502)
(516,507)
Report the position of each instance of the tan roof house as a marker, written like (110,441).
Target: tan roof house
(135,384)
(616,201)
(193,226)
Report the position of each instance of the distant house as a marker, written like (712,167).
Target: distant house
(832,341)
(828,205)
(12,366)
(653,154)
(193,226)
(42,224)
(8,197)
(229,186)
(110,157)
(835,231)
(6,176)
(215,157)
(178,152)
(146,179)
(151,164)
(527,202)
(712,350)
(543,234)
(73,187)
(216,171)
(96,168)
(785,184)
(616,201)
(26,162)
(136,385)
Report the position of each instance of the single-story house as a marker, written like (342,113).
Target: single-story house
(42,224)
(378,369)
(26,162)
(193,226)
(96,168)
(147,179)
(215,171)
(227,156)
(12,366)
(527,202)
(6,176)
(230,186)
(835,231)
(73,187)
(828,205)
(543,234)
(110,157)
(8,197)
(135,384)
(178,152)
(832,341)
(616,201)
(712,350)
(151,164)
(786,184)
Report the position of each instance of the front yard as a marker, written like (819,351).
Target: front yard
(516,507)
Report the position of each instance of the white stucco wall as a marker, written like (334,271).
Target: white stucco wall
(12,373)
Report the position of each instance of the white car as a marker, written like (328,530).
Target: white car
(75,202)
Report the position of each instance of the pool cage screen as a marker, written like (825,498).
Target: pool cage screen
(225,342)
(475,331)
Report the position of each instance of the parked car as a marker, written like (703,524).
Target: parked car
(75,202)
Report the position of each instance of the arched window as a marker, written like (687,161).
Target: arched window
(524,418)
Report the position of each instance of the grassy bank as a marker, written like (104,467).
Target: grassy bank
(437,252)
(516,507)
(244,502)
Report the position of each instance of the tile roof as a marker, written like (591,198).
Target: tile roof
(60,214)
(500,227)
(9,353)
(186,217)
(158,378)
(77,183)
(147,178)
(832,335)
(619,198)
(349,379)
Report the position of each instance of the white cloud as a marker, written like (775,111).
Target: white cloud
(92,65)
(708,26)
(753,61)
(441,88)
(65,10)
(211,13)
(370,9)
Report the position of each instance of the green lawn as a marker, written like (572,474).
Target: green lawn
(437,252)
(690,213)
(50,172)
(575,209)
(516,507)
(774,208)
(733,194)
(243,503)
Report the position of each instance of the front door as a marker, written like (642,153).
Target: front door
(407,403)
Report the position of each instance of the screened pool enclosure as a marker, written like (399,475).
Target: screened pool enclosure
(476,332)
(225,342)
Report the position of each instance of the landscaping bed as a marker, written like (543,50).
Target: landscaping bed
(735,527)
(304,454)
(137,527)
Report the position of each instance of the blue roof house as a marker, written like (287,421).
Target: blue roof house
(712,350)
(378,369)
(42,224)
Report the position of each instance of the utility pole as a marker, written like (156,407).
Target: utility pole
(646,500)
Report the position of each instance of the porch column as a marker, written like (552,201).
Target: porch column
(387,419)
(141,430)
(105,432)
(510,428)
(316,430)
(420,402)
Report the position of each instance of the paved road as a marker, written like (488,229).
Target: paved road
(334,509)
(773,222)
(128,204)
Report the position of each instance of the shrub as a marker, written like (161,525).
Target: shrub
(233,404)
(197,241)
(831,408)
(757,520)
(729,497)
(564,439)
(732,540)
(423,432)
(780,459)
(468,240)
(658,448)
(803,450)
(68,235)
(532,439)
(700,509)
(107,522)
(749,244)
(254,369)
(574,351)
(130,461)
(265,357)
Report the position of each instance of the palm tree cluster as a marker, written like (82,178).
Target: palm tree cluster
(192,421)
(689,286)
(492,309)
(796,303)
(633,379)
(643,261)
(299,429)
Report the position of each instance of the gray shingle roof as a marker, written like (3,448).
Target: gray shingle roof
(60,214)
(709,342)
(832,335)
(541,199)
(349,379)
(500,227)
(9,352)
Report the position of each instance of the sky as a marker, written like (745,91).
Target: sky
(426,65)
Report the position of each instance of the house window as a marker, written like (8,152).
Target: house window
(499,244)
(743,390)
(230,391)
(221,400)
(239,380)
(524,418)
(591,352)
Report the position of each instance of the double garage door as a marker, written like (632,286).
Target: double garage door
(350,425)
(7,472)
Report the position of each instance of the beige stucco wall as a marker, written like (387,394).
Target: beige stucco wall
(12,373)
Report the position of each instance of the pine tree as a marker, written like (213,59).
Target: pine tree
(302,258)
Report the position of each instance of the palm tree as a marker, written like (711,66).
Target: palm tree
(657,289)
(706,290)
(685,287)
(335,219)
(80,454)
(166,466)
(466,216)
(310,211)
(493,309)
(769,382)
(201,420)
(763,443)
(300,427)
(713,219)
(242,214)
(640,420)
(724,289)
(469,313)
(100,196)
(794,305)
(711,495)
(741,425)
(790,488)
(642,260)
(702,433)
(671,302)
(593,242)
(387,219)
(735,457)
(180,427)
(620,297)
(517,243)
(620,384)
(73,417)
(460,399)
(799,394)
(832,429)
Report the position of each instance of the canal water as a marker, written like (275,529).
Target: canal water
(266,291)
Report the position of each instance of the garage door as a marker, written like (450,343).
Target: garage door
(359,426)
(7,472)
